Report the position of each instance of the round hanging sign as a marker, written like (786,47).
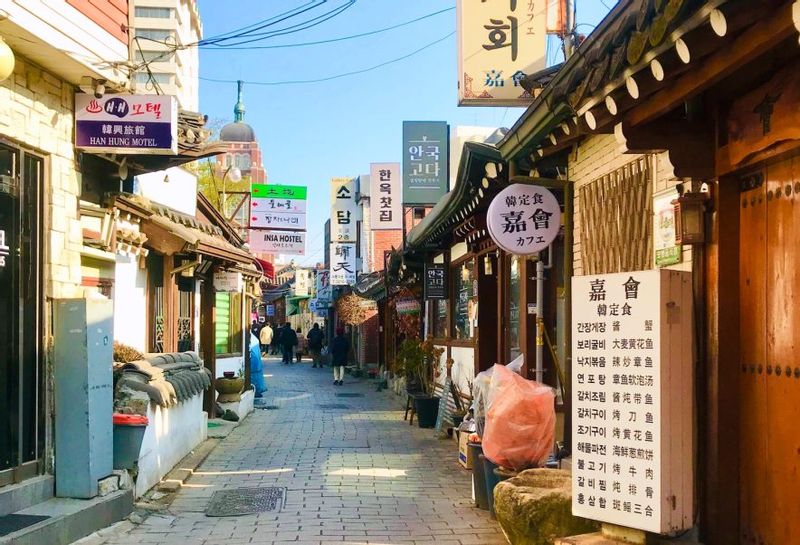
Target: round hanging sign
(524,219)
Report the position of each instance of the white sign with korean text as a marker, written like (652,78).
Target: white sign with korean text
(632,377)
(277,220)
(499,42)
(345,212)
(524,219)
(277,242)
(228,281)
(386,200)
(302,282)
(343,264)
(278,205)
(666,252)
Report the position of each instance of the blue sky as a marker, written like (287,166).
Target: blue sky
(312,132)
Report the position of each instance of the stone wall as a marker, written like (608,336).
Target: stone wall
(36,113)
(599,155)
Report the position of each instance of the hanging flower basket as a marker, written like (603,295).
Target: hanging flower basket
(355,310)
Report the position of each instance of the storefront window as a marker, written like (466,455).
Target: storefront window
(228,334)
(465,311)
(514,305)
(440,308)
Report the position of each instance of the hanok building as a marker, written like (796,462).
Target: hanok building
(686,110)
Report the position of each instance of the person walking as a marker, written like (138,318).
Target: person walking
(288,340)
(276,340)
(300,347)
(265,338)
(315,341)
(339,349)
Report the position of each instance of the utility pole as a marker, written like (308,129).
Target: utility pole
(569,34)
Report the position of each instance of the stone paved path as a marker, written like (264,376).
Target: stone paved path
(405,487)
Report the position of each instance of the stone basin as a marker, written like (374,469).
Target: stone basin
(535,508)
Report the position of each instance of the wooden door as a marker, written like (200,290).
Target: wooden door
(770,368)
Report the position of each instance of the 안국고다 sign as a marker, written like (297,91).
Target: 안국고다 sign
(278,242)
(126,124)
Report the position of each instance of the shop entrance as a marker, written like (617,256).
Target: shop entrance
(21,376)
(769,370)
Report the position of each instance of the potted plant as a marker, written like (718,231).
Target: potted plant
(419,360)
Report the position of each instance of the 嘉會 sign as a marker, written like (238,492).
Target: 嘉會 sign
(425,161)
(343,264)
(386,201)
(228,281)
(277,242)
(124,124)
(345,212)
(632,382)
(499,43)
(524,219)
(435,281)
(666,251)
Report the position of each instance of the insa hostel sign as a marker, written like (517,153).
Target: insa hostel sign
(126,124)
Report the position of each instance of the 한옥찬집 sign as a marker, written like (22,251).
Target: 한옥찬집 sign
(425,161)
(435,281)
(499,43)
(126,124)
(524,219)
(633,384)
(386,201)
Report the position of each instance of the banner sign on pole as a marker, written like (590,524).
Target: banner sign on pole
(386,202)
(425,161)
(278,205)
(126,124)
(275,191)
(524,219)
(278,220)
(343,264)
(499,43)
(345,212)
(435,281)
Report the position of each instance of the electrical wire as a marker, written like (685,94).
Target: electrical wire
(291,29)
(337,76)
(340,39)
(275,19)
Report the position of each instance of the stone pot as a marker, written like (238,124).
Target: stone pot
(535,508)
(427,409)
(229,389)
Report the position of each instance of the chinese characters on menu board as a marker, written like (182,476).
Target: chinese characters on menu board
(621,379)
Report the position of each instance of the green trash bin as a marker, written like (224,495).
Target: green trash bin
(128,435)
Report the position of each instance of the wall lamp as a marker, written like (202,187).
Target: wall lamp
(6,60)
(690,218)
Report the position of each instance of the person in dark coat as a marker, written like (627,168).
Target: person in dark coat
(315,340)
(288,340)
(339,349)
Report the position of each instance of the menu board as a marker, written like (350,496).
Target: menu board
(632,396)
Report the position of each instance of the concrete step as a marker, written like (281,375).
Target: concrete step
(71,519)
(16,497)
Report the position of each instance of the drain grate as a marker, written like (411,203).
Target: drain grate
(349,394)
(333,406)
(13,523)
(245,501)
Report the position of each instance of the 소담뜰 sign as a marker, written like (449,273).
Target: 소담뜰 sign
(632,399)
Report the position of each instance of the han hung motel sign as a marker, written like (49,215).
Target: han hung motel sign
(126,124)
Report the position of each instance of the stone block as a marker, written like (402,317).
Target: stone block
(535,508)
(107,486)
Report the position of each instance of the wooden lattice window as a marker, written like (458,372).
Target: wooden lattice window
(616,215)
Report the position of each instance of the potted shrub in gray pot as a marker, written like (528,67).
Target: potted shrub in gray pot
(419,360)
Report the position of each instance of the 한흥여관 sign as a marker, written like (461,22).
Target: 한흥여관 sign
(499,43)
(632,391)
(345,212)
(425,161)
(386,201)
(524,219)
(435,281)
(343,264)
(277,242)
(126,124)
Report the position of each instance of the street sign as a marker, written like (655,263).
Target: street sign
(278,220)
(278,205)
(276,191)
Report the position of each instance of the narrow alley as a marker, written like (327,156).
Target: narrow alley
(353,471)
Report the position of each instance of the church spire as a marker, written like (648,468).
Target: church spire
(238,110)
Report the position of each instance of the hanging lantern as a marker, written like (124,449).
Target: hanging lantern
(690,218)
(6,60)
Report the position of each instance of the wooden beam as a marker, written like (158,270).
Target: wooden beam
(753,43)
(170,306)
(207,346)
